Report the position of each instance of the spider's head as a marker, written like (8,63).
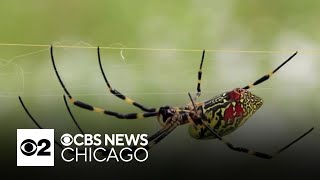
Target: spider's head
(166,113)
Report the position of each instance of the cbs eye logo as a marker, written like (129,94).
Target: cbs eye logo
(28,147)
(35,147)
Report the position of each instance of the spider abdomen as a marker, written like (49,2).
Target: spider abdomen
(226,112)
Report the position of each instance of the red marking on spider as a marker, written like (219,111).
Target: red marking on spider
(235,94)
(228,114)
(234,111)
(239,110)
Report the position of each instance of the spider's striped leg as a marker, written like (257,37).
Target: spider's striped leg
(252,152)
(71,115)
(86,106)
(154,139)
(267,76)
(119,94)
(200,76)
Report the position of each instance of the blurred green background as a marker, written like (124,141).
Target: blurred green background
(158,78)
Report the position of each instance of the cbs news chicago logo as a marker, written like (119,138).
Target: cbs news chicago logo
(35,147)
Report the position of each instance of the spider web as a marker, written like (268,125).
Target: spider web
(13,68)
(19,72)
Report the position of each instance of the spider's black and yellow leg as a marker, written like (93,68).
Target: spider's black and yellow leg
(112,113)
(95,109)
(119,94)
(252,152)
(154,137)
(71,115)
(267,76)
(152,140)
(200,76)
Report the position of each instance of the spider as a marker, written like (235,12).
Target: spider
(210,119)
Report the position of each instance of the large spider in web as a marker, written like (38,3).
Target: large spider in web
(209,119)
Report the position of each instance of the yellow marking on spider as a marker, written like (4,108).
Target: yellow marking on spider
(199,81)
(97,110)
(180,110)
(140,116)
(251,86)
(72,100)
(271,73)
(199,104)
(130,101)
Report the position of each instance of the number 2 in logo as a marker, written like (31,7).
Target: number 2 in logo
(29,147)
